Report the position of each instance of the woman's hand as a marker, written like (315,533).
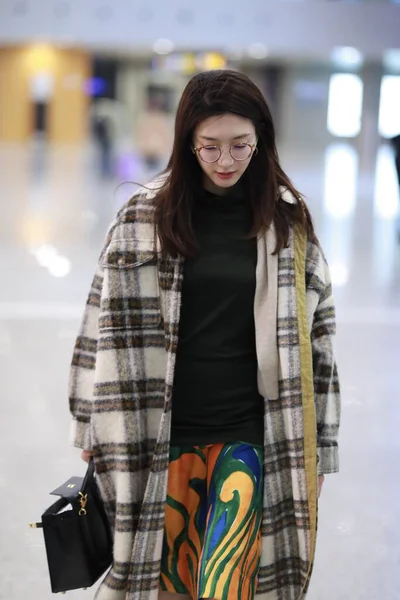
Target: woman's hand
(87,455)
(321,479)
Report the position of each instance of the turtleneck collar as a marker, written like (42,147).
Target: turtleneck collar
(233,198)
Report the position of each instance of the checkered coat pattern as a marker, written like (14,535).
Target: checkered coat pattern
(121,397)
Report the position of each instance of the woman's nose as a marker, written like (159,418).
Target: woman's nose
(225,158)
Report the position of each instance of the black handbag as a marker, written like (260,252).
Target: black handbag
(77,535)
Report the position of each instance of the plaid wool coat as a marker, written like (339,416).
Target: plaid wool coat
(121,386)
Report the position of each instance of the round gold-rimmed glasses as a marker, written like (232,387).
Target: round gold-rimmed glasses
(211,154)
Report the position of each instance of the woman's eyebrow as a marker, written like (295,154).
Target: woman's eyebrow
(211,139)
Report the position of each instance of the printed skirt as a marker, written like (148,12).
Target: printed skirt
(212,539)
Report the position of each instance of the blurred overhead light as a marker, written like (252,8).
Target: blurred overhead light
(389,114)
(391,60)
(257,51)
(48,256)
(345,105)
(339,274)
(347,56)
(59,266)
(340,182)
(45,254)
(163,46)
(386,192)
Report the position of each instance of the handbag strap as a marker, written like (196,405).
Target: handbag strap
(89,477)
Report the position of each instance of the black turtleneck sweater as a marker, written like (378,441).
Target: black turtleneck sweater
(215,396)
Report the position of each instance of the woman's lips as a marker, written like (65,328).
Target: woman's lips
(225,175)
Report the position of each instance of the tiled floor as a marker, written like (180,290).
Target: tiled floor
(53,216)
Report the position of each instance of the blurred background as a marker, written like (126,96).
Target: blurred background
(88,93)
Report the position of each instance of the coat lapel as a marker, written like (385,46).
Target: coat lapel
(265,316)
(266,309)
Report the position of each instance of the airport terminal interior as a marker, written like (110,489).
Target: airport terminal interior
(84,123)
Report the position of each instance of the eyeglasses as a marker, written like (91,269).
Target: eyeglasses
(212,154)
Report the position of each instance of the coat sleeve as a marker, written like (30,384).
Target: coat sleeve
(81,379)
(326,382)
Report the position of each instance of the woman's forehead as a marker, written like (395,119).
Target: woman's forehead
(225,128)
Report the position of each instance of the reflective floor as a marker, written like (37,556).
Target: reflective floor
(54,212)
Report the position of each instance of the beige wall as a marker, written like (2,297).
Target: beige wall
(67,71)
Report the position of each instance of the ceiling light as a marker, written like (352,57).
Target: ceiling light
(346,56)
(59,266)
(257,51)
(45,254)
(339,274)
(48,256)
(391,60)
(163,46)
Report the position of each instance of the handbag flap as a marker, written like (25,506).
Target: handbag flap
(69,489)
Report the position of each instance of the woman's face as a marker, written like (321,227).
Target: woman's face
(224,131)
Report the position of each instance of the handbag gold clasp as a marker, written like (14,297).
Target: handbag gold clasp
(83,502)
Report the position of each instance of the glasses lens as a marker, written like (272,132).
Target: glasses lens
(210,154)
(241,152)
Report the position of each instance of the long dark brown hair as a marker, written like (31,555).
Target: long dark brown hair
(206,95)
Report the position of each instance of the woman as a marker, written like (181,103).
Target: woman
(203,378)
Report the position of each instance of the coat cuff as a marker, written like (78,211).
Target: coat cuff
(328,459)
(80,435)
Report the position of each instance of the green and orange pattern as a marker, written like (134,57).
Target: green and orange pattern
(212,540)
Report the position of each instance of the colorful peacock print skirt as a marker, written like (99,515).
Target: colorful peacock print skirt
(212,540)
